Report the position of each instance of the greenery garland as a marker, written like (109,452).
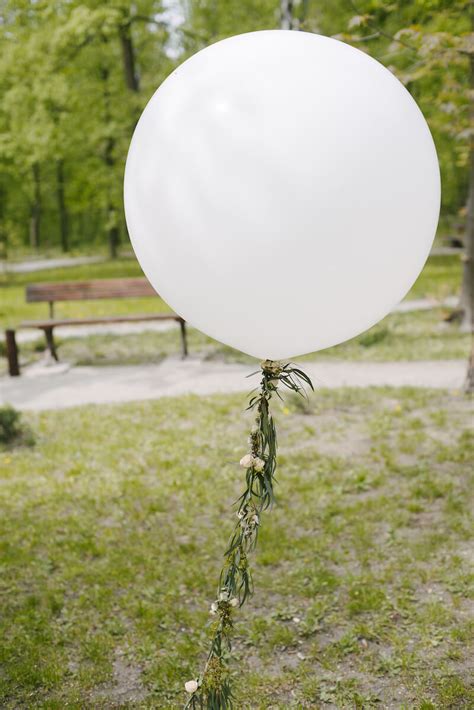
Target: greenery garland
(212,689)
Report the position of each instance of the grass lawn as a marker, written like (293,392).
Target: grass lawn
(422,335)
(114,523)
(440,278)
(14,309)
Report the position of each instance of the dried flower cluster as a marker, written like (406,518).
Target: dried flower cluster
(212,690)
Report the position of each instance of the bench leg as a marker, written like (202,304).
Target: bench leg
(48,332)
(12,353)
(184,341)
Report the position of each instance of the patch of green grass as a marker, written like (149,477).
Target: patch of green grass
(408,336)
(114,524)
(14,309)
(420,335)
(440,278)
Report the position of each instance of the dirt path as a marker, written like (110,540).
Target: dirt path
(58,387)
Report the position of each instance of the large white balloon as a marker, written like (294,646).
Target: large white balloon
(282,192)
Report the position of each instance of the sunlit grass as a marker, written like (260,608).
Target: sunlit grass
(420,335)
(440,278)
(114,522)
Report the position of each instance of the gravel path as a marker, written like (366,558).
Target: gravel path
(57,386)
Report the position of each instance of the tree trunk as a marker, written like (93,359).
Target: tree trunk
(3,231)
(467,289)
(63,215)
(132,80)
(113,233)
(287,20)
(112,229)
(469,383)
(114,240)
(35,218)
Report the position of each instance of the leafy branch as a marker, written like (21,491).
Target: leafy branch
(212,689)
(367,19)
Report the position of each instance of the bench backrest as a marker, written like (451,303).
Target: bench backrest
(89,290)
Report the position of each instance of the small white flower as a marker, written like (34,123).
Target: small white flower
(214,608)
(240,514)
(191,686)
(234,601)
(246,461)
(223,596)
(258,464)
(256,519)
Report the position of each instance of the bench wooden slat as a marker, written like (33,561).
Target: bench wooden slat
(85,290)
(55,322)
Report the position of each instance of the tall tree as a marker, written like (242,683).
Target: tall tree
(50,130)
(52,111)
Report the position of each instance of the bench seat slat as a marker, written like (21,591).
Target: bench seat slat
(84,291)
(89,290)
(53,323)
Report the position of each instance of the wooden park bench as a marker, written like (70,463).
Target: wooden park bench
(51,293)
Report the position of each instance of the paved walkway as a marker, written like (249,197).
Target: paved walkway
(425,304)
(57,386)
(32,265)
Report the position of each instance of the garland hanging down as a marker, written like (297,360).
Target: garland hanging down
(212,689)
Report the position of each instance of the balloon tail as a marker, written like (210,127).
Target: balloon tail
(212,690)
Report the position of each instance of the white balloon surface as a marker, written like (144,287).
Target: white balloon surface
(282,192)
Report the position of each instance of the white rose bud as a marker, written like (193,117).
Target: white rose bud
(246,461)
(258,464)
(191,686)
(234,601)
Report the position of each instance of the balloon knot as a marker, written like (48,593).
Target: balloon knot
(271,367)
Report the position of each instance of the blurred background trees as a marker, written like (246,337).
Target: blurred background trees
(74,77)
